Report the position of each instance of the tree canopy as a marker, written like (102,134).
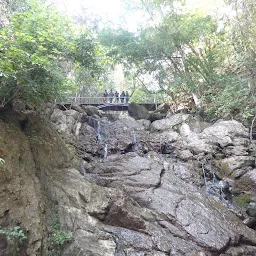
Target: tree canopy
(201,60)
(192,55)
(40,49)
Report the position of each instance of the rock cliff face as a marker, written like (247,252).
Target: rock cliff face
(127,187)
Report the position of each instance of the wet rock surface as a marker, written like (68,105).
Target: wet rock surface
(133,188)
(159,168)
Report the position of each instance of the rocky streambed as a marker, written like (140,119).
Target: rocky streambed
(176,186)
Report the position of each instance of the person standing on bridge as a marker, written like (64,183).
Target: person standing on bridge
(105,96)
(127,97)
(122,96)
(116,97)
(111,96)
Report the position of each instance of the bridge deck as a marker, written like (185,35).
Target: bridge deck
(105,105)
(110,106)
(99,102)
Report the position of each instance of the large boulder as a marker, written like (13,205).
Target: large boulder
(230,137)
(66,122)
(224,132)
(137,111)
(236,166)
(247,182)
(156,116)
(197,126)
(166,188)
(77,108)
(169,123)
(91,110)
(164,142)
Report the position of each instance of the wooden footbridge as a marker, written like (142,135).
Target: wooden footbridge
(105,103)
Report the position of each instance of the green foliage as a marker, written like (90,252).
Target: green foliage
(194,54)
(9,6)
(142,96)
(2,162)
(124,46)
(177,52)
(243,200)
(232,100)
(15,236)
(58,237)
(35,48)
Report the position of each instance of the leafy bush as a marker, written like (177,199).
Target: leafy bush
(16,236)
(57,237)
(39,48)
(2,162)
(231,100)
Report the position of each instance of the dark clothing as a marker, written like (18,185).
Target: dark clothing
(105,96)
(127,97)
(117,96)
(111,95)
(122,96)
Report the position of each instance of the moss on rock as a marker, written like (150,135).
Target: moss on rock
(243,200)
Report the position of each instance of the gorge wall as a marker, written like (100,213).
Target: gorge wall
(121,186)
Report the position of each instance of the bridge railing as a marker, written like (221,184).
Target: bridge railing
(85,100)
(99,100)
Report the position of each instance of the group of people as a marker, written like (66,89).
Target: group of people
(111,97)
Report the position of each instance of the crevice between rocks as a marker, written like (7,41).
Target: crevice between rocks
(159,184)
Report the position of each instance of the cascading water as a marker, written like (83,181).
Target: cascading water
(218,189)
(82,170)
(101,136)
(105,152)
(98,132)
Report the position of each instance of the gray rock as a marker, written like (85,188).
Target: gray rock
(77,108)
(166,191)
(229,136)
(85,243)
(197,145)
(223,132)
(169,123)
(145,123)
(58,116)
(162,209)
(137,111)
(236,166)
(72,113)
(198,126)
(130,238)
(185,130)
(236,150)
(251,209)
(159,141)
(156,116)
(243,250)
(91,110)
(247,182)
(185,155)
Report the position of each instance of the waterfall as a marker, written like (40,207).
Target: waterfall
(82,170)
(98,131)
(97,127)
(78,127)
(105,151)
